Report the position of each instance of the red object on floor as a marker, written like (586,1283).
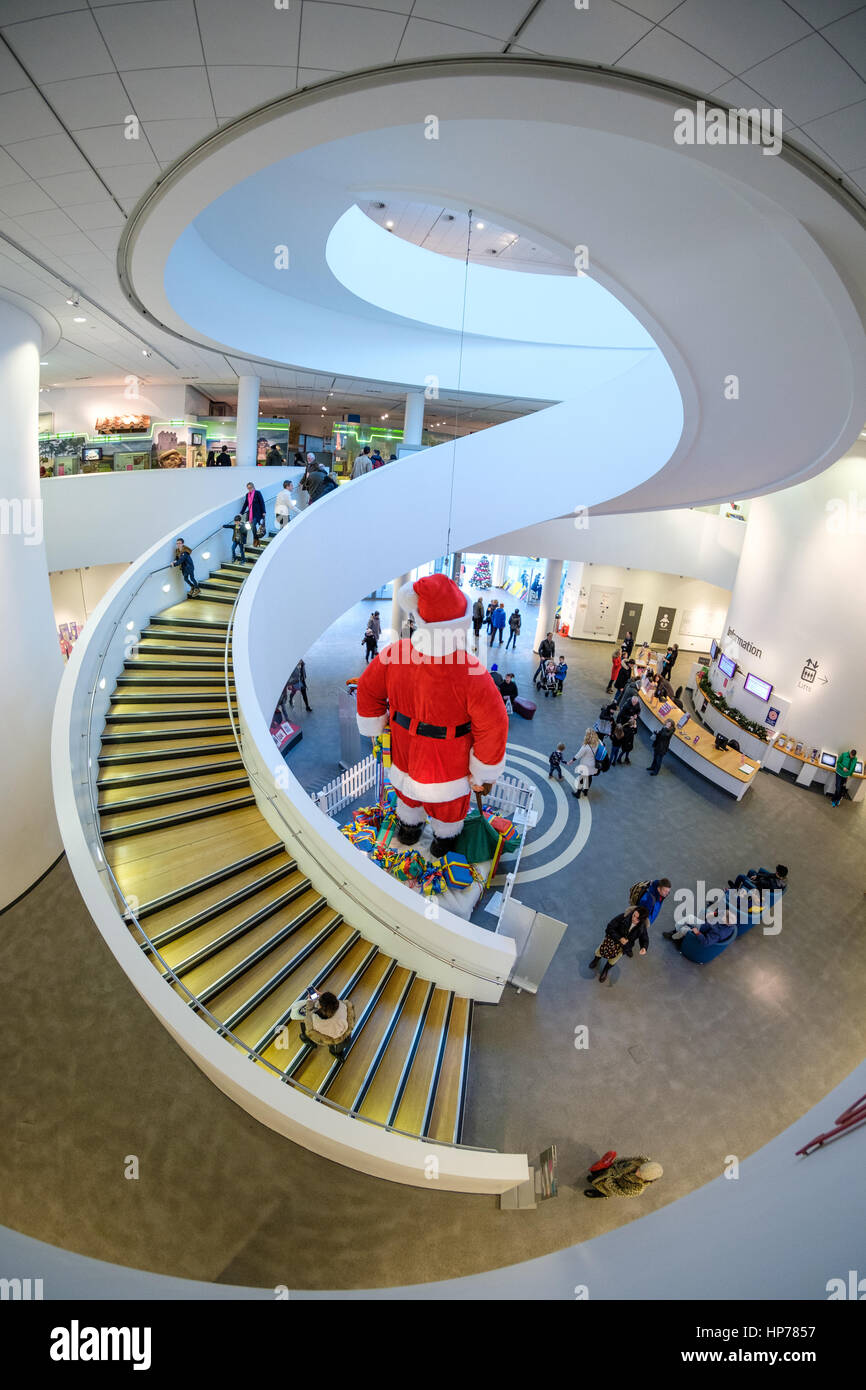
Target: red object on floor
(849,1119)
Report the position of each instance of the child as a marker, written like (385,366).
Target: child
(556,761)
(369,641)
(548,679)
(561,672)
(238,528)
(183,558)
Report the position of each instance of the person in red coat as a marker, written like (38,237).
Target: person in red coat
(449,726)
(615,667)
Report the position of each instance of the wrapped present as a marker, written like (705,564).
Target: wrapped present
(386,830)
(432,881)
(506,828)
(457,871)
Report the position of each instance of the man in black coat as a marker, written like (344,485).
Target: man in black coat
(546,651)
(661,744)
(224,458)
(252,509)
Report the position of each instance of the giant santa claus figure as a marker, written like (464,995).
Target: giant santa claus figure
(448,721)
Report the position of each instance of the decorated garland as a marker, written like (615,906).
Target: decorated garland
(720,703)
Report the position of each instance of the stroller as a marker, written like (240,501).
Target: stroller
(547,681)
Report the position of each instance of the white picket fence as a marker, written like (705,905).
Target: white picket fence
(509,793)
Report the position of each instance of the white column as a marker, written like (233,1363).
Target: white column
(413,417)
(32,663)
(800,596)
(397,614)
(500,564)
(248,421)
(547,605)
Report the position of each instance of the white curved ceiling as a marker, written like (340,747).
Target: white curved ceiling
(72,72)
(701,244)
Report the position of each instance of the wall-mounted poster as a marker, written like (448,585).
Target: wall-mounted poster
(602,611)
(664,625)
(701,622)
(772,717)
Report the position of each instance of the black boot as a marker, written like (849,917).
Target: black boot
(408,834)
(605,972)
(441,846)
(593,963)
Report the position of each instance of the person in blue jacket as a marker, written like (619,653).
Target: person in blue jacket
(653,897)
(497,623)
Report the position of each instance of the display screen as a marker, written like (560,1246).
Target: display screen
(91,455)
(858,770)
(828,759)
(681,723)
(714,649)
(727,664)
(756,686)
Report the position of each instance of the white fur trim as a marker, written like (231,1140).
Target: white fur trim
(410,815)
(428,791)
(440,639)
(446,829)
(371,724)
(484,772)
(407,598)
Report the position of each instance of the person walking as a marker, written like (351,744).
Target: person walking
(514,626)
(661,744)
(369,641)
(587,765)
(477,619)
(252,509)
(223,458)
(210,462)
(670,660)
(617,739)
(284,504)
(239,538)
(183,559)
(846,763)
(556,760)
(546,652)
(621,935)
(652,897)
(629,729)
(623,676)
(498,622)
(628,644)
(274,458)
(623,1177)
(488,618)
(615,667)
(298,682)
(375,624)
(363,463)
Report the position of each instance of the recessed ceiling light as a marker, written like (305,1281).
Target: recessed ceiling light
(73,300)
(79,318)
(389,225)
(146,353)
(480,226)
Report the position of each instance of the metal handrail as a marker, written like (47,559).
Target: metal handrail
(130,916)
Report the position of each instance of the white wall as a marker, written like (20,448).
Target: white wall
(800,595)
(75,593)
(78,407)
(653,590)
(111,518)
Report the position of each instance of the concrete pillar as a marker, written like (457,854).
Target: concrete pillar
(248,421)
(413,418)
(500,565)
(32,662)
(456,563)
(397,614)
(549,595)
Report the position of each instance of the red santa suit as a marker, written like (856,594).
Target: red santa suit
(449,726)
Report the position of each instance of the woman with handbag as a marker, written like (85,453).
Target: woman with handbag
(587,764)
(621,935)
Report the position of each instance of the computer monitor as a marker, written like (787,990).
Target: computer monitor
(681,723)
(755,686)
(727,664)
(714,649)
(858,770)
(92,455)
(828,759)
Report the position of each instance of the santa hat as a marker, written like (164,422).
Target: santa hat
(442,614)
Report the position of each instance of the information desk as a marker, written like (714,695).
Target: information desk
(807,770)
(696,746)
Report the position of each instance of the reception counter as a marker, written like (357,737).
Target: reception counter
(696,746)
(807,770)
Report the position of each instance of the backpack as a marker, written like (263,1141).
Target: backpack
(637,890)
(327,485)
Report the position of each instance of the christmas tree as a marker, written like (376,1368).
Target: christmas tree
(481,579)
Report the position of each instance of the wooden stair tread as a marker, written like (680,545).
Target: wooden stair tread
(209,897)
(335,981)
(413,1105)
(264,1016)
(194,764)
(379,1100)
(173,952)
(235,995)
(318,1063)
(196,834)
(207,777)
(352,1073)
(117,820)
(446,1106)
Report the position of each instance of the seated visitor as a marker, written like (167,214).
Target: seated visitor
(765,880)
(508,688)
(716,928)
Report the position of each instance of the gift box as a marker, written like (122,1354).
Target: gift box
(457,871)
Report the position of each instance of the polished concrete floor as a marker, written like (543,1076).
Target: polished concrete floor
(687,1063)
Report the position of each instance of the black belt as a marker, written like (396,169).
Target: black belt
(431,730)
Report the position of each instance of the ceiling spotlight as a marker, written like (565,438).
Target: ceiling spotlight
(479,226)
(145,352)
(389,224)
(73,300)
(79,318)
(449,217)
(380,206)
